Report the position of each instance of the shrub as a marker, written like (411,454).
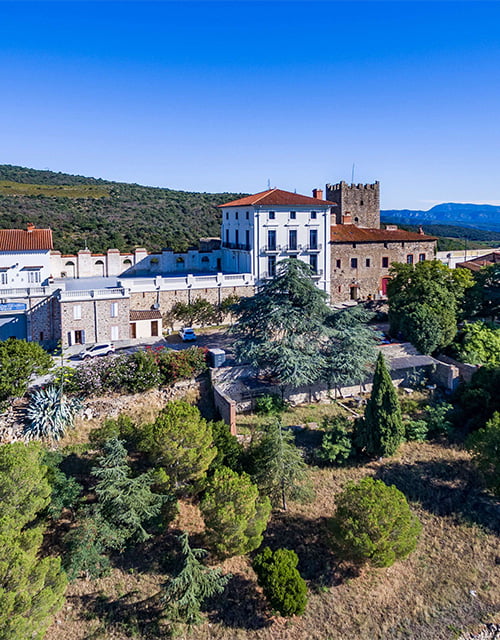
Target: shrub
(19,360)
(142,373)
(229,450)
(337,443)
(281,581)
(234,513)
(66,491)
(415,430)
(50,413)
(122,428)
(181,365)
(485,447)
(269,404)
(373,523)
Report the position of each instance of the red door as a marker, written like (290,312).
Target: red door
(385,281)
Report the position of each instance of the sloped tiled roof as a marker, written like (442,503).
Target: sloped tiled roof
(147,314)
(277,197)
(475,264)
(352,233)
(23,240)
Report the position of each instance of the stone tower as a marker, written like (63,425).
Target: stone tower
(358,204)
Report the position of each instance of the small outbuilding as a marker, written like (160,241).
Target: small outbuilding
(145,323)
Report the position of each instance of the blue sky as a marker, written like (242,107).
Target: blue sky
(224,96)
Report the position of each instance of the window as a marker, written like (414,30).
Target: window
(385,245)
(361,203)
(3,277)
(271,266)
(237,237)
(33,276)
(77,312)
(247,215)
(272,215)
(409,258)
(314,215)
(271,240)
(313,238)
(41,336)
(247,239)
(354,263)
(114,309)
(293,215)
(205,259)
(421,257)
(292,239)
(367,262)
(227,236)
(313,262)
(236,215)
(385,262)
(353,245)
(338,264)
(227,215)
(115,333)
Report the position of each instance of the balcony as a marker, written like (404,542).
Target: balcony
(236,246)
(317,274)
(292,248)
(313,247)
(271,248)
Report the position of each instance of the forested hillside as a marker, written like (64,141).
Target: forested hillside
(106,214)
(453,237)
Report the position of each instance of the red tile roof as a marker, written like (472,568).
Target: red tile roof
(277,197)
(22,240)
(475,264)
(351,233)
(148,314)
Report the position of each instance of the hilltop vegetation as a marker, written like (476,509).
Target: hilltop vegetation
(454,238)
(106,214)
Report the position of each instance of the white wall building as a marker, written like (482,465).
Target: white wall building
(260,230)
(24,257)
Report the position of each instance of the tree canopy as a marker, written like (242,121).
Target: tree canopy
(31,587)
(425,302)
(374,523)
(381,430)
(281,328)
(19,360)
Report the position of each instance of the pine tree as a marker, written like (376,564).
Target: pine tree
(234,513)
(180,441)
(185,593)
(31,587)
(381,431)
(126,503)
(281,471)
(374,523)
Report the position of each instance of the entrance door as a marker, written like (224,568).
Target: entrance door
(354,292)
(133,330)
(154,327)
(384,283)
(79,337)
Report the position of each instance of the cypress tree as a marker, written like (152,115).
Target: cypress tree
(381,431)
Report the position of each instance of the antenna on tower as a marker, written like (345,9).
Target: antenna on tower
(86,248)
(268,183)
(352,174)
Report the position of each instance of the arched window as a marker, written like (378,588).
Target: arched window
(99,267)
(205,259)
(70,270)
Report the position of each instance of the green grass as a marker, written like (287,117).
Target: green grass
(9,188)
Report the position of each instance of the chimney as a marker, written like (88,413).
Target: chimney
(421,231)
(29,227)
(347,218)
(318,194)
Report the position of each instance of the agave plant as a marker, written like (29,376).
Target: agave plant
(50,413)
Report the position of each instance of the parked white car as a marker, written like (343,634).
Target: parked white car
(97,350)
(187,334)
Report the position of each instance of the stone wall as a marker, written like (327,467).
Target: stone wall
(361,201)
(366,279)
(96,320)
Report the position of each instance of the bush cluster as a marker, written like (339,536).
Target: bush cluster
(137,372)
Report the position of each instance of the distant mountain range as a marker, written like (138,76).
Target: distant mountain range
(479,216)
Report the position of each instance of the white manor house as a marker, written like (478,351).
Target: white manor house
(87,298)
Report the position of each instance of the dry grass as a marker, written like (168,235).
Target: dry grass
(449,584)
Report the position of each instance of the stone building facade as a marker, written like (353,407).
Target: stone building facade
(359,201)
(361,259)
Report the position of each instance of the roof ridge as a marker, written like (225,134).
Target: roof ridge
(265,193)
